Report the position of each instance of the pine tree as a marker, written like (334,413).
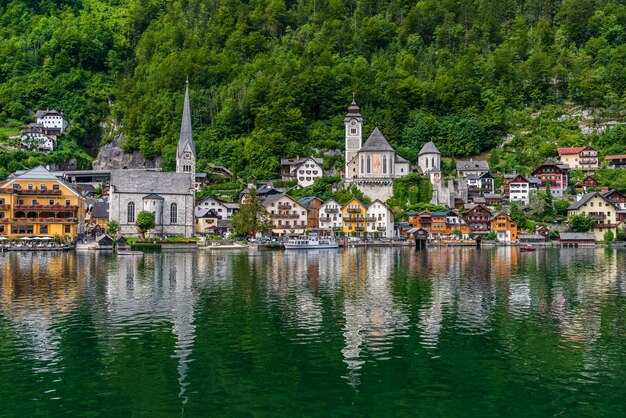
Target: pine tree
(252,217)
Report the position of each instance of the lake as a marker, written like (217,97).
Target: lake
(355,332)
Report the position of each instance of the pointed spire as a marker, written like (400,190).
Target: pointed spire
(185,125)
(354,112)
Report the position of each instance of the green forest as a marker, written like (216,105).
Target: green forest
(273,78)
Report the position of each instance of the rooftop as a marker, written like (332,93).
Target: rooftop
(570,150)
(429,148)
(472,165)
(376,142)
(577,236)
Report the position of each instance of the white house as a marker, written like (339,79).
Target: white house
(465,168)
(287,215)
(330,216)
(51,120)
(308,170)
(225,210)
(519,189)
(379,219)
(34,139)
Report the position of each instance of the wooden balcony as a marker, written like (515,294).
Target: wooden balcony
(353,219)
(36,192)
(284,206)
(284,215)
(44,220)
(354,210)
(371,219)
(331,210)
(359,228)
(56,208)
(325,219)
(5,207)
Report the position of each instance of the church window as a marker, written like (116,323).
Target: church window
(131,212)
(427,162)
(362,166)
(353,131)
(369,164)
(433,163)
(384,165)
(173,213)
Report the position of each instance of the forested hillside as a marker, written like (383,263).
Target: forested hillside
(272,78)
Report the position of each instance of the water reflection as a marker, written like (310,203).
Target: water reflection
(359,309)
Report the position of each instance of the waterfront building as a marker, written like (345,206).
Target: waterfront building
(552,174)
(577,239)
(330,216)
(312,205)
(616,161)
(618,200)
(505,229)
(518,189)
(456,225)
(421,220)
(287,215)
(169,196)
(579,158)
(373,166)
(354,213)
(465,168)
(597,206)
(379,220)
(206,221)
(223,209)
(479,219)
(37,203)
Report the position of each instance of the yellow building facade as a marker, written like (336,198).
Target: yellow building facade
(36,203)
(603,212)
(354,214)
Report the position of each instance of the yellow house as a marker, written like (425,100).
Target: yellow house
(205,221)
(600,209)
(37,203)
(354,217)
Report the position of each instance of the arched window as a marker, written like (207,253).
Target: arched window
(173,213)
(362,166)
(369,165)
(426,162)
(433,164)
(384,165)
(131,212)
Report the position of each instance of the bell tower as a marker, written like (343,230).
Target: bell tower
(354,137)
(186,149)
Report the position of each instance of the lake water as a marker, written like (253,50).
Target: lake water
(358,332)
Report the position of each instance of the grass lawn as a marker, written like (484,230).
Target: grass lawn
(8,131)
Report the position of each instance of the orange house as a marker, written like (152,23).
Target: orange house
(421,220)
(504,227)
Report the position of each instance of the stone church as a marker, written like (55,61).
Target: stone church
(169,196)
(372,166)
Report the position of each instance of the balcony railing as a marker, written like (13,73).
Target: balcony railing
(325,219)
(331,210)
(353,219)
(284,206)
(371,219)
(598,215)
(283,215)
(360,228)
(354,210)
(5,207)
(36,192)
(381,228)
(71,208)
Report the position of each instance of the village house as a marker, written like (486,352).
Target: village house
(168,196)
(206,220)
(588,184)
(598,207)
(616,161)
(304,170)
(465,168)
(479,184)
(504,227)
(97,217)
(579,158)
(479,219)
(38,203)
(330,217)
(373,166)
(553,175)
(312,204)
(456,225)
(518,189)
(224,210)
(52,122)
(618,200)
(422,220)
(34,139)
(577,239)
(379,220)
(287,215)
(354,213)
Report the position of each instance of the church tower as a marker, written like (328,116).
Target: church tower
(354,131)
(186,150)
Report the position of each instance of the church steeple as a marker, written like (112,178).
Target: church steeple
(186,150)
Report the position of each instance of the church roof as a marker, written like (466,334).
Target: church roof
(153,196)
(353,112)
(399,159)
(376,142)
(148,181)
(429,148)
(185,127)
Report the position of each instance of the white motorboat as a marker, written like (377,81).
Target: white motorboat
(311,242)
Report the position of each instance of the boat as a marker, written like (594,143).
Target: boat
(527,248)
(310,242)
(129,253)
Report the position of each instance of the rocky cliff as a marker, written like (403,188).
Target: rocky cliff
(112,156)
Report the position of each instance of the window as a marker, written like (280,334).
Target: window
(55,187)
(30,187)
(67,203)
(131,212)
(369,165)
(43,187)
(353,131)
(34,202)
(43,229)
(173,213)
(51,202)
(68,229)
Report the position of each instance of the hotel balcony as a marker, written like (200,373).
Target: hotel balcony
(44,220)
(284,215)
(359,228)
(353,219)
(36,192)
(62,208)
(381,228)
(354,210)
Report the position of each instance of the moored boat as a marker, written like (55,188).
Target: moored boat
(311,242)
(129,253)
(527,248)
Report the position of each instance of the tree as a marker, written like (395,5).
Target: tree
(560,207)
(252,218)
(608,237)
(548,209)
(145,222)
(581,223)
(113,228)
(517,216)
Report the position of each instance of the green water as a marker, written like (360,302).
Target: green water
(378,332)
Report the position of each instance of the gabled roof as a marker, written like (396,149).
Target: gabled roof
(153,196)
(576,236)
(570,150)
(429,148)
(101,210)
(611,192)
(273,198)
(37,173)
(330,201)
(376,142)
(357,200)
(308,199)
(519,179)
(399,159)
(472,165)
(185,127)
(549,163)
(615,157)
(585,198)
(42,113)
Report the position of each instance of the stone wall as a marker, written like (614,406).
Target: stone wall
(375,189)
(111,156)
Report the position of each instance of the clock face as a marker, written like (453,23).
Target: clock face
(187,155)
(353,122)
